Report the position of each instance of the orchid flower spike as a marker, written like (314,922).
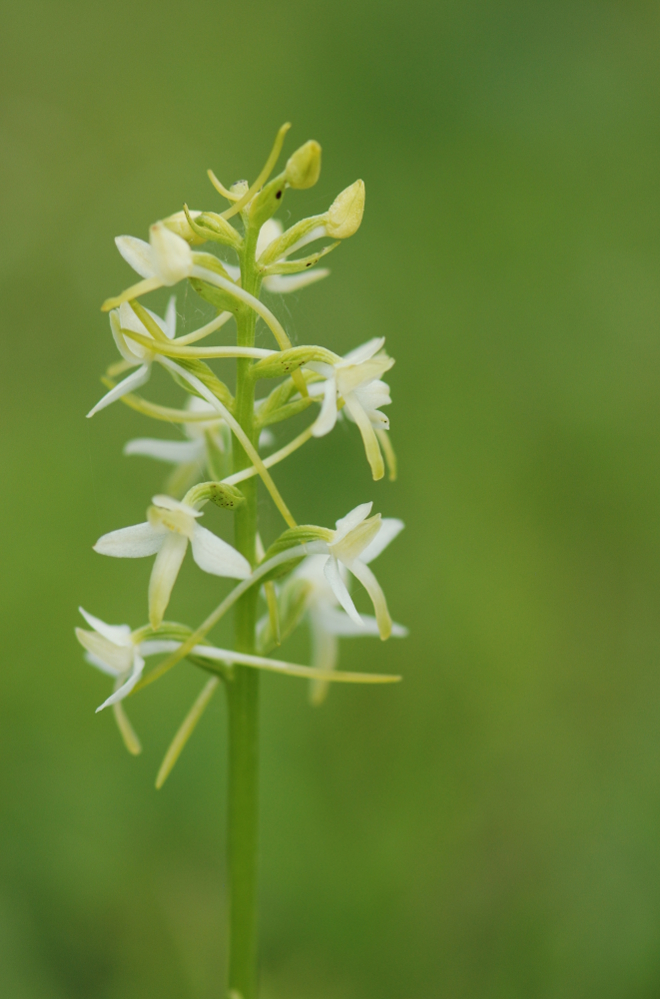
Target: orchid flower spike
(327,623)
(134,353)
(356,542)
(356,379)
(166,533)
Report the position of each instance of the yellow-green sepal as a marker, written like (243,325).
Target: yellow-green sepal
(302,264)
(284,362)
(213,227)
(293,537)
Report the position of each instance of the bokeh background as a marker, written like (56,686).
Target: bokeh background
(490,827)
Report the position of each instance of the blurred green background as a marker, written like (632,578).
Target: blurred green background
(489,828)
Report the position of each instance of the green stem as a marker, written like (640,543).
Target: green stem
(243,690)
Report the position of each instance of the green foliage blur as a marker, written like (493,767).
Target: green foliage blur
(489,828)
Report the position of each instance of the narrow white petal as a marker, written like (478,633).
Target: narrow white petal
(171,255)
(340,624)
(98,662)
(369,439)
(175,452)
(214,555)
(163,575)
(365,351)
(325,655)
(119,634)
(126,688)
(154,647)
(170,319)
(117,658)
(134,381)
(283,284)
(328,416)
(389,528)
(338,586)
(137,254)
(373,588)
(348,523)
(123,346)
(269,231)
(131,542)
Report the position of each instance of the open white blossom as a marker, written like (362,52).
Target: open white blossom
(110,647)
(164,261)
(279,283)
(166,533)
(356,379)
(356,542)
(327,623)
(134,353)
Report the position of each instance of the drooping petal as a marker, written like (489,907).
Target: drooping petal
(98,662)
(126,688)
(154,646)
(134,381)
(214,555)
(338,586)
(163,575)
(338,623)
(136,541)
(119,634)
(373,588)
(129,351)
(137,254)
(282,284)
(175,452)
(325,655)
(389,528)
(351,521)
(327,418)
(369,439)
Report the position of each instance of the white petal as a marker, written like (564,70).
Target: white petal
(389,528)
(170,319)
(124,346)
(365,351)
(338,586)
(126,688)
(176,452)
(282,284)
(98,662)
(269,231)
(131,542)
(369,439)
(117,658)
(351,521)
(325,655)
(266,438)
(138,254)
(232,269)
(163,575)
(172,257)
(340,624)
(134,381)
(214,555)
(327,418)
(169,503)
(373,588)
(119,634)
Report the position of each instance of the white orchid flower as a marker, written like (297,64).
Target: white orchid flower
(280,284)
(166,533)
(356,378)
(135,353)
(355,543)
(326,622)
(110,647)
(164,261)
(208,446)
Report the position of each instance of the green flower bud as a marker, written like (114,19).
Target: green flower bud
(267,201)
(223,495)
(304,166)
(285,362)
(210,225)
(346,211)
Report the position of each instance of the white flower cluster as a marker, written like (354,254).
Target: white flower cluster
(304,575)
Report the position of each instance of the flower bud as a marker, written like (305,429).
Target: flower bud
(345,213)
(178,223)
(304,166)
